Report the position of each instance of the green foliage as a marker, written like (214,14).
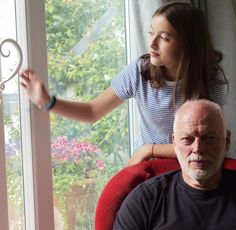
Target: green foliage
(14,181)
(15,190)
(82,76)
(65,180)
(86,76)
(80,172)
(12,127)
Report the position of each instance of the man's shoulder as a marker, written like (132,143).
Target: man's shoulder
(155,186)
(161,180)
(229,173)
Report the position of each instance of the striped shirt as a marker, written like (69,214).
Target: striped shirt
(154,105)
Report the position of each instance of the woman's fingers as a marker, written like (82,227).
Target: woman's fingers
(24,80)
(24,76)
(28,77)
(27,74)
(27,71)
(23,84)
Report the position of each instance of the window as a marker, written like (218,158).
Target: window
(11,161)
(25,194)
(50,156)
(86,49)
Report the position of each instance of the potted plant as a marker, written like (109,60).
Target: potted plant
(75,167)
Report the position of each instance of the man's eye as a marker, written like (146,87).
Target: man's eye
(210,139)
(187,140)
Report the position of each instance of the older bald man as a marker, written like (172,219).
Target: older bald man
(201,195)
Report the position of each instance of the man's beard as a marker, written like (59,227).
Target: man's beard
(196,173)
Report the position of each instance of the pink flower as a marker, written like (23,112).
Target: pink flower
(74,151)
(85,147)
(100,164)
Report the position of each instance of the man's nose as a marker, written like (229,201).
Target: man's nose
(198,145)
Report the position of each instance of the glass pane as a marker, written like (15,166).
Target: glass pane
(11,118)
(86,49)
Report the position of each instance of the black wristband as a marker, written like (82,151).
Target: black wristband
(49,105)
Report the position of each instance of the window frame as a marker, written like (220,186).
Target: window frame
(35,125)
(36,156)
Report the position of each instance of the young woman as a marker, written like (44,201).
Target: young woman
(182,64)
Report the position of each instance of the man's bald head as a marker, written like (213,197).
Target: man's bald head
(203,108)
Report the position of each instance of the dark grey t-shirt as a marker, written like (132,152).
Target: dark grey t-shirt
(167,202)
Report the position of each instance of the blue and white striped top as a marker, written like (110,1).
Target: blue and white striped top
(155,105)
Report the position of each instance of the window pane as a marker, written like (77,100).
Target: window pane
(86,49)
(11,117)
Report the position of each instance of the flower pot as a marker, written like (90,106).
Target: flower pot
(79,204)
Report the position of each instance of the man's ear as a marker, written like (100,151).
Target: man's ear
(228,141)
(173,139)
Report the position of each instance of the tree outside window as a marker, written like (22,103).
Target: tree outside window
(86,49)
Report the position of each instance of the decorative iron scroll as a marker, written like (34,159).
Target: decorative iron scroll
(6,55)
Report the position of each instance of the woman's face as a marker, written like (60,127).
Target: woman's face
(164,44)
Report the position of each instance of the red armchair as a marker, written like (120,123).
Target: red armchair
(125,180)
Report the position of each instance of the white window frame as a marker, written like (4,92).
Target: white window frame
(35,124)
(131,53)
(3,182)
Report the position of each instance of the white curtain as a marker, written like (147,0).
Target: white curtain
(222,25)
(141,12)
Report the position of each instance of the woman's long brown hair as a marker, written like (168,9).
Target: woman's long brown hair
(198,64)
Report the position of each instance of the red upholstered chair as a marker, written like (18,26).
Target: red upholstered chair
(125,180)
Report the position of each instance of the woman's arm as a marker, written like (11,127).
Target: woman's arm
(88,112)
(152,151)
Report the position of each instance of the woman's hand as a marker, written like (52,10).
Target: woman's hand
(145,153)
(34,88)
(152,151)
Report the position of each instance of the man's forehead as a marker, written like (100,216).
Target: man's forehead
(200,117)
(198,129)
(200,113)
(200,126)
